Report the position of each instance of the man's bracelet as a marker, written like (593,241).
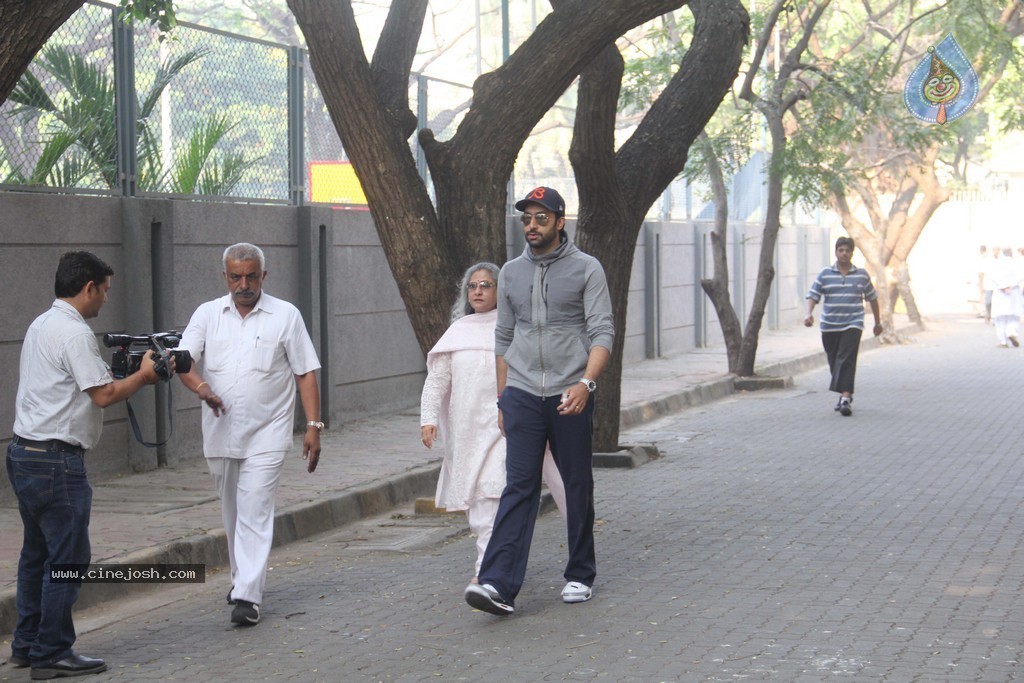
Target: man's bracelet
(201,385)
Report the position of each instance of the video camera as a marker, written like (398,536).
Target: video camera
(127,360)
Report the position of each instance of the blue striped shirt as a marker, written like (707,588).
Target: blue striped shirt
(844,297)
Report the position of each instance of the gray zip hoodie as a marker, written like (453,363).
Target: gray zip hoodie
(551,310)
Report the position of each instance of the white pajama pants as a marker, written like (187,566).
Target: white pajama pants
(247,487)
(481,513)
(1007,326)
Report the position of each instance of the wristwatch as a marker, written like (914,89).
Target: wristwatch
(590,384)
(313,423)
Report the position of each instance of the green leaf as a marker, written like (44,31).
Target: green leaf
(159,13)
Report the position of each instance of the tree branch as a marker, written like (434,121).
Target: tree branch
(657,150)
(392,60)
(592,152)
(795,56)
(544,66)
(747,89)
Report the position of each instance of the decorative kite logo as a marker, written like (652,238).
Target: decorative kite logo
(944,86)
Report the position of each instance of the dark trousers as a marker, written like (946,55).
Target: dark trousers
(841,349)
(530,422)
(54,498)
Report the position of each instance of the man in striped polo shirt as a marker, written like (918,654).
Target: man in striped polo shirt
(842,288)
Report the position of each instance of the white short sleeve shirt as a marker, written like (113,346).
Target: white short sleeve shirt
(251,363)
(60,360)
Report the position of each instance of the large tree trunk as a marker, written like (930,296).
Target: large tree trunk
(773,105)
(370,111)
(717,286)
(880,274)
(902,271)
(769,238)
(617,189)
(27,25)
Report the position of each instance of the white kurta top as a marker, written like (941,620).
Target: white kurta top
(251,364)
(459,396)
(1005,275)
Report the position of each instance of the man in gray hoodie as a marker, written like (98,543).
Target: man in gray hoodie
(552,340)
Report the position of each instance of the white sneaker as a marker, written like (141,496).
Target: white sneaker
(486,599)
(575,591)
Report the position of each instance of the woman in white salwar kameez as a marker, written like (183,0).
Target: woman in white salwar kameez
(1006,299)
(458,407)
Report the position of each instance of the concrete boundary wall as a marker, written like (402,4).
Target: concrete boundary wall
(167,258)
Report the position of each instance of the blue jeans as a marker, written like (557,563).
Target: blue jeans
(54,498)
(530,422)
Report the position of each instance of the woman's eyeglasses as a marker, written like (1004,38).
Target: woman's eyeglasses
(541,218)
(483,284)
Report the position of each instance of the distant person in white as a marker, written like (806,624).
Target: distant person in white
(1006,299)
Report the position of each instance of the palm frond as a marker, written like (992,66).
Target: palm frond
(188,166)
(71,171)
(222,175)
(152,175)
(80,129)
(54,149)
(164,75)
(9,173)
(31,95)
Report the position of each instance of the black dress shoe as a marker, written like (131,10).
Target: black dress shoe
(72,665)
(18,662)
(245,613)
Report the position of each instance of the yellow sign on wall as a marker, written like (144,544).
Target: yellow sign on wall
(334,182)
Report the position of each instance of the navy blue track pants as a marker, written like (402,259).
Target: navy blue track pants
(530,422)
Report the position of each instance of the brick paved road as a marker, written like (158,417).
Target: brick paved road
(775,540)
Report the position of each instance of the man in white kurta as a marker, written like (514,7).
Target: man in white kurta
(255,350)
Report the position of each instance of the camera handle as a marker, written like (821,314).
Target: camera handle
(170,421)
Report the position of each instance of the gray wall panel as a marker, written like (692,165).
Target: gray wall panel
(45,219)
(167,254)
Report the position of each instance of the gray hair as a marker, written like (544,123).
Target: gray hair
(243,251)
(461,307)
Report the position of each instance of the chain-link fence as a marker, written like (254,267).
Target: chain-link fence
(113,110)
(57,128)
(109,109)
(213,115)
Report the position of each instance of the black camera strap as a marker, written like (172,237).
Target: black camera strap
(170,421)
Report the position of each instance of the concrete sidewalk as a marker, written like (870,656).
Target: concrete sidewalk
(368,467)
